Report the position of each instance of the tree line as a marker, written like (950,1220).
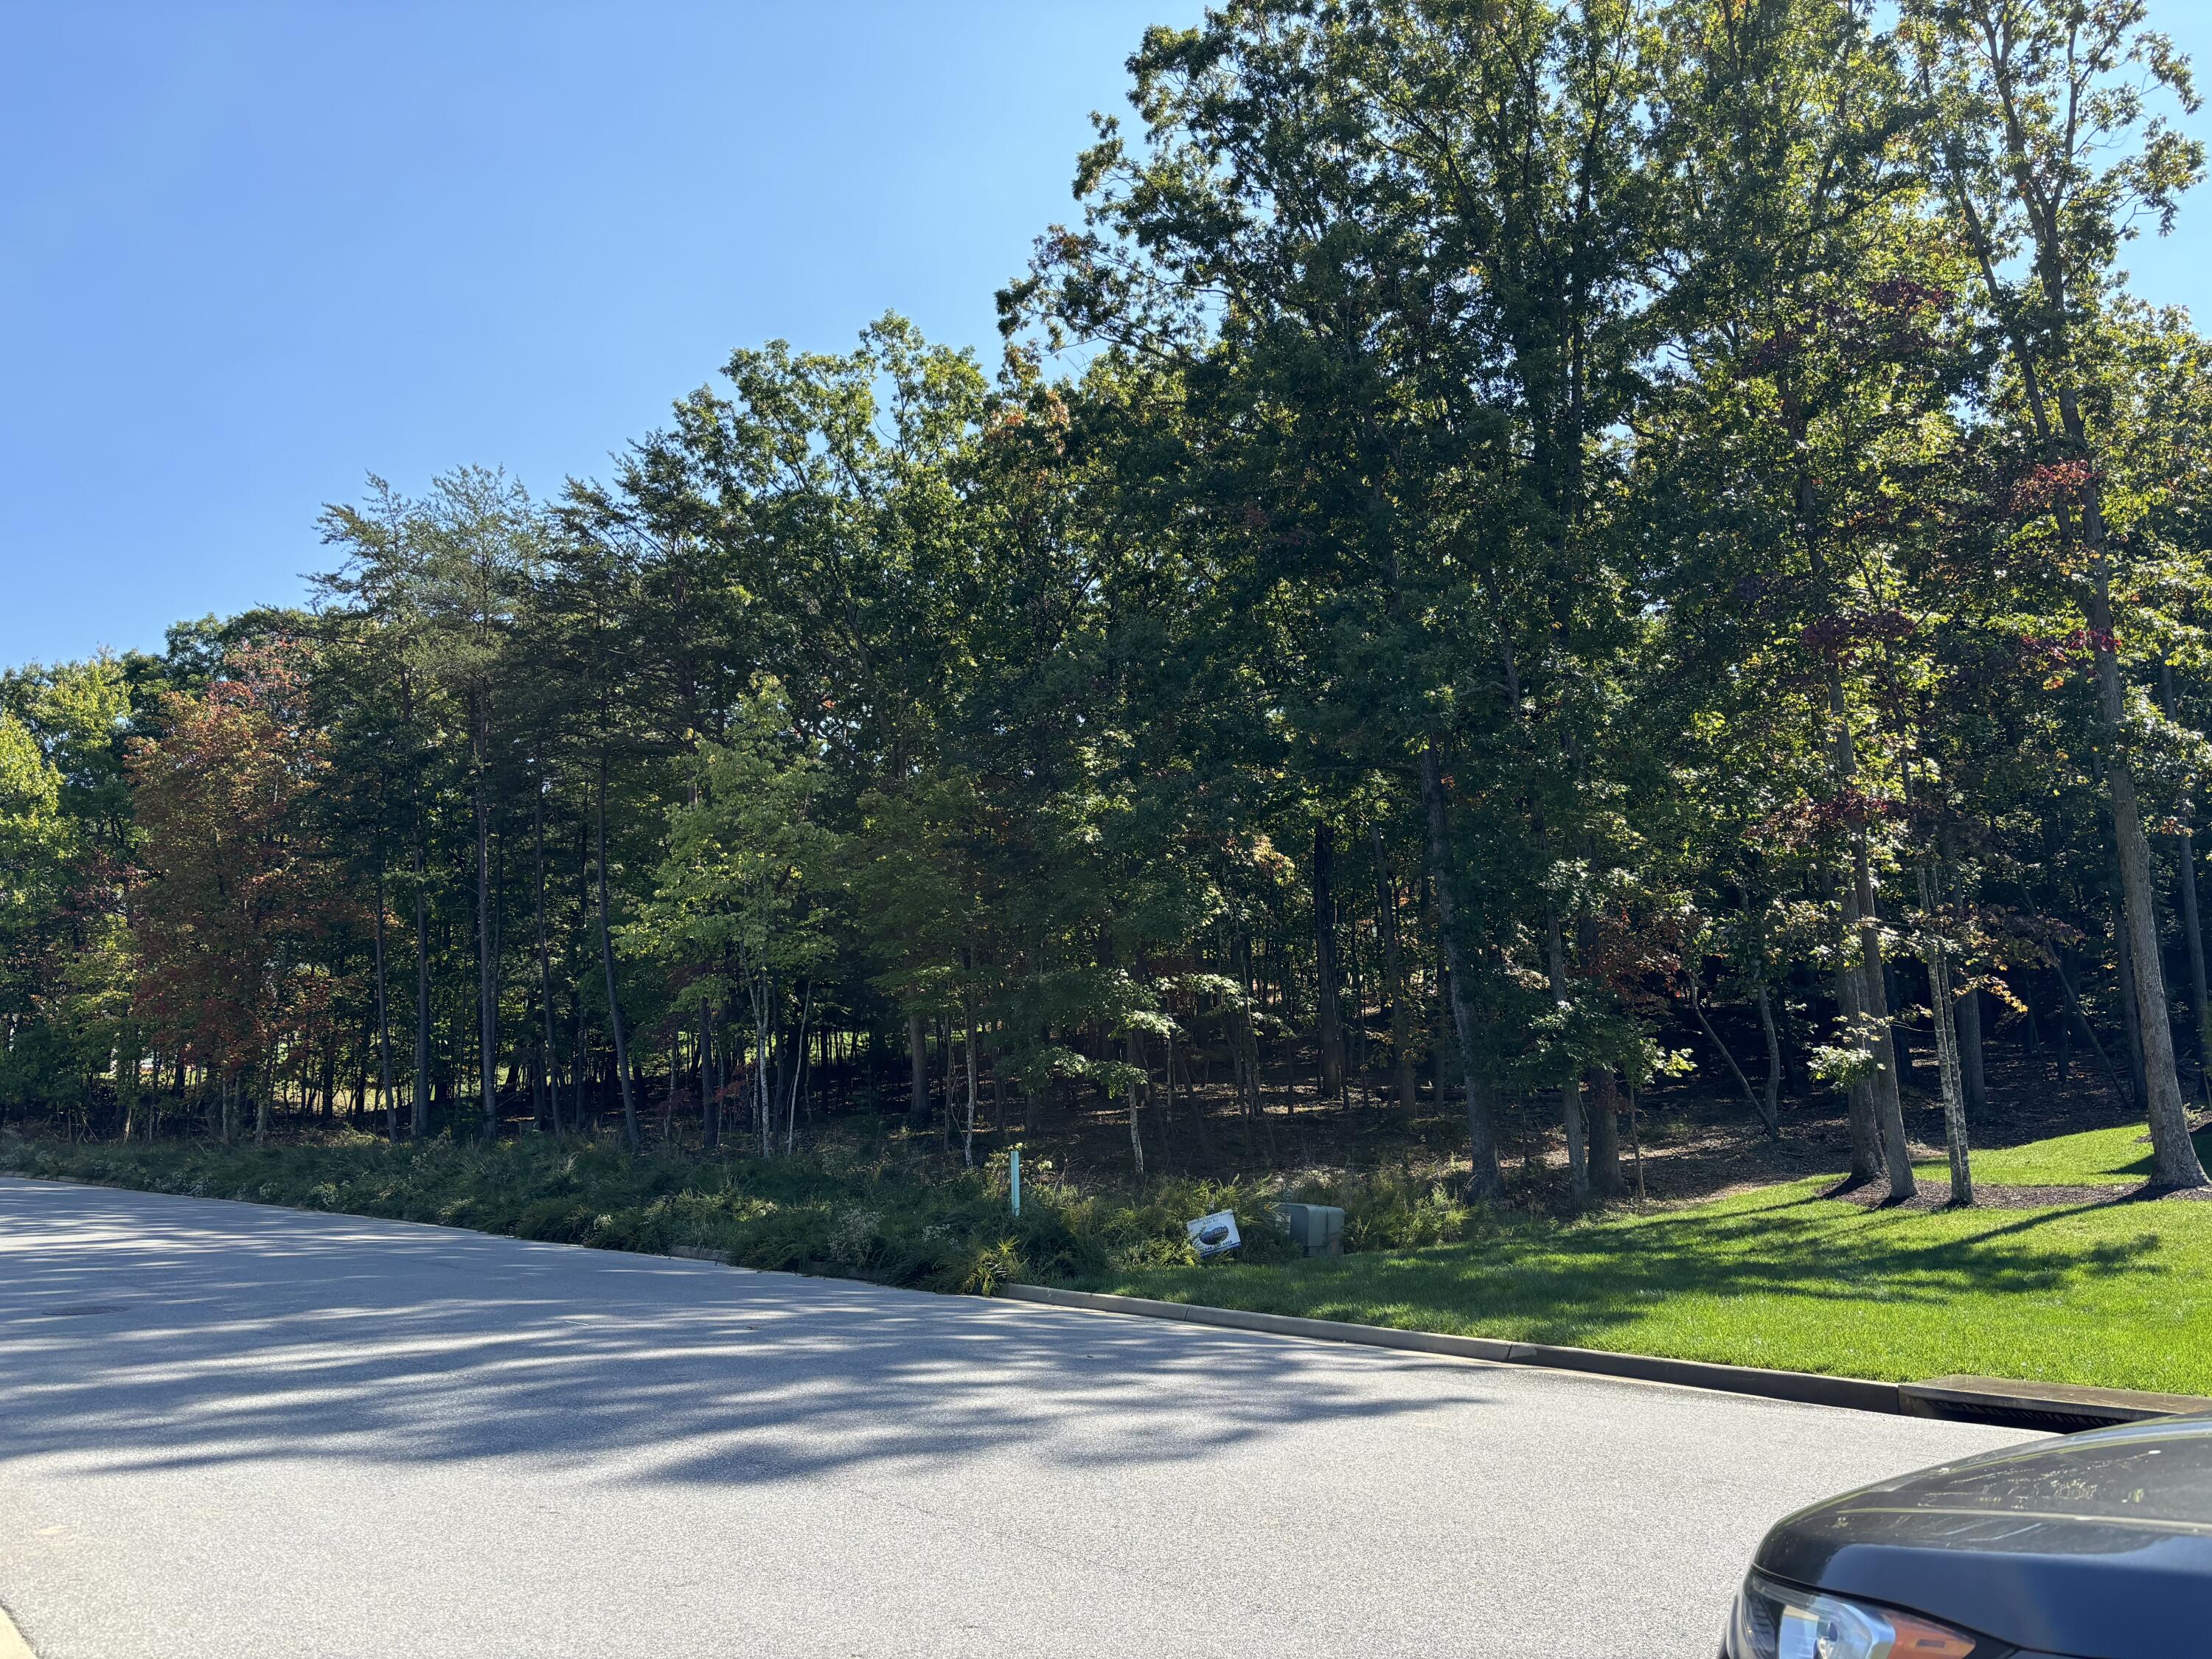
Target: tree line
(1512,545)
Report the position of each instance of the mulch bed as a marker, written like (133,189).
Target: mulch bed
(1936,1195)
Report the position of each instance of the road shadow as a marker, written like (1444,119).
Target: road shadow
(144,1331)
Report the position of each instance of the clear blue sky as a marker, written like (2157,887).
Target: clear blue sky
(250,253)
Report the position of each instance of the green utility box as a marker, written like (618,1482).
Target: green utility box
(1318,1228)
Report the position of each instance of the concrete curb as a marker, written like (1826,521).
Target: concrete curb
(1805,1387)
(2065,1407)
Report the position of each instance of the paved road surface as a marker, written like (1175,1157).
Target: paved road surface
(230,1433)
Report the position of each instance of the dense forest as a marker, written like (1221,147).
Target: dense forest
(1516,550)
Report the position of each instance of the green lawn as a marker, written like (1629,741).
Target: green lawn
(2095,1157)
(2118,1295)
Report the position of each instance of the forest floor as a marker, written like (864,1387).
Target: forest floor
(1743,1249)
(1687,1142)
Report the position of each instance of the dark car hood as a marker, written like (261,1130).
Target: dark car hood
(2097,1547)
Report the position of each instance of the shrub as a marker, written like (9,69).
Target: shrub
(881,1211)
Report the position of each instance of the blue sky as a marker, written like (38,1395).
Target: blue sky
(250,253)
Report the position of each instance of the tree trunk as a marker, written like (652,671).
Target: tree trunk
(799,1074)
(952,1093)
(545,965)
(383,1100)
(607,963)
(1393,974)
(1773,1112)
(1330,1021)
(917,1104)
(1136,1054)
(1485,1182)
(968,1131)
(1872,999)
(2173,1156)
(422,1113)
(1972,1078)
(710,1105)
(2130,1013)
(1866,1134)
(487,970)
(1605,1134)
(1570,1091)
(1889,1105)
(1937,954)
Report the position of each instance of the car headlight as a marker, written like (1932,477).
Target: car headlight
(1775,1622)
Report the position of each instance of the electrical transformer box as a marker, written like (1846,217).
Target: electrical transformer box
(1318,1228)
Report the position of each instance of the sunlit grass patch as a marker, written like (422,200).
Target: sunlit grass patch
(2118,1295)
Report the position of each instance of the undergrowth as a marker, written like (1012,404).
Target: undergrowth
(880,1212)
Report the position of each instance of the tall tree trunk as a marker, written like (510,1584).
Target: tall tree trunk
(383,1100)
(1604,1133)
(1972,1080)
(1570,1091)
(917,1104)
(2034,349)
(422,1113)
(1889,1105)
(710,1104)
(1765,1000)
(1136,1055)
(2173,1156)
(581,1063)
(487,968)
(607,963)
(1865,1132)
(1485,1182)
(1394,973)
(1966,1006)
(1873,998)
(967,1130)
(1330,1022)
(798,1075)
(951,1092)
(545,963)
(1937,953)
(2131,1012)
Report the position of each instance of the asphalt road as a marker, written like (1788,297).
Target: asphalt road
(230,1433)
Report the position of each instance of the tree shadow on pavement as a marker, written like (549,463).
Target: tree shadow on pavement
(144,1331)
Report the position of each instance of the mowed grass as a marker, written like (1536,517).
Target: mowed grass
(2117,1295)
(2095,1157)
